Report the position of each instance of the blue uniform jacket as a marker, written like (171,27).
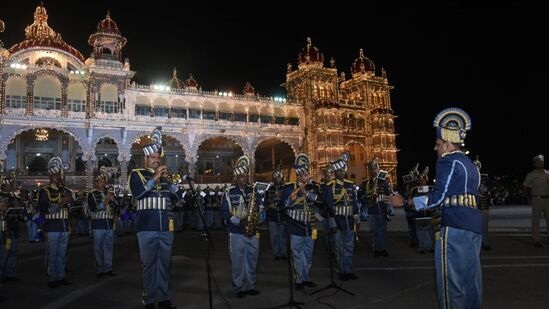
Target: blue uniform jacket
(456,192)
(375,207)
(48,204)
(273,199)
(235,203)
(299,229)
(341,197)
(96,206)
(146,191)
(12,223)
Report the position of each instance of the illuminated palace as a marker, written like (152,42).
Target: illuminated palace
(54,101)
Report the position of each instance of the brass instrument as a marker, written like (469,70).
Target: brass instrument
(252,219)
(308,210)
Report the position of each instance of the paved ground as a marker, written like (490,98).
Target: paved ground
(516,275)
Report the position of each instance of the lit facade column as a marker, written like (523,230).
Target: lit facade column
(123,172)
(30,95)
(64,102)
(89,171)
(2,87)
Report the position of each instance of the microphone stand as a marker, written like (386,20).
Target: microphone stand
(331,244)
(291,303)
(206,241)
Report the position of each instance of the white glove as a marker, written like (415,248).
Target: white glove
(319,217)
(235,220)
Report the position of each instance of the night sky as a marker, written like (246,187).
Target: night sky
(487,60)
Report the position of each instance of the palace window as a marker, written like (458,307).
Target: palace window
(109,107)
(265,119)
(239,117)
(161,111)
(47,103)
(194,114)
(225,116)
(16,101)
(293,121)
(179,113)
(142,110)
(75,105)
(254,118)
(210,115)
(279,120)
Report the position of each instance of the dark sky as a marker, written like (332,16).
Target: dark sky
(485,59)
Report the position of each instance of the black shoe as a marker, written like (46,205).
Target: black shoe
(412,244)
(99,275)
(344,277)
(352,276)
(253,292)
(309,284)
(150,306)
(110,273)
(299,286)
(537,244)
(64,282)
(166,304)
(384,253)
(241,294)
(53,284)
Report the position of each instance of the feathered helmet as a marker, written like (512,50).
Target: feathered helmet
(156,143)
(373,164)
(277,173)
(103,174)
(301,163)
(57,166)
(341,163)
(242,166)
(452,125)
(6,179)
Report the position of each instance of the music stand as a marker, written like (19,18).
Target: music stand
(322,203)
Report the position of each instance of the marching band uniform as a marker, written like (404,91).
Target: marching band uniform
(372,192)
(102,221)
(155,226)
(56,226)
(303,233)
(341,196)
(9,238)
(277,226)
(458,243)
(484,205)
(244,249)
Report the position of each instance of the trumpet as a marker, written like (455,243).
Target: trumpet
(170,177)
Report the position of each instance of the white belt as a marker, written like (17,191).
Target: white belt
(344,210)
(63,213)
(299,215)
(102,214)
(159,203)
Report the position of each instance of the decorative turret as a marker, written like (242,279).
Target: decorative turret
(249,91)
(191,84)
(310,55)
(175,82)
(363,65)
(107,41)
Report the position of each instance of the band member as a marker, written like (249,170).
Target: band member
(277,227)
(340,195)
(236,206)
(154,193)
(327,176)
(536,190)
(458,243)
(484,204)
(9,230)
(372,192)
(416,185)
(217,215)
(32,227)
(298,197)
(102,203)
(53,202)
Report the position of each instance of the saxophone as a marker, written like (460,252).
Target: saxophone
(252,220)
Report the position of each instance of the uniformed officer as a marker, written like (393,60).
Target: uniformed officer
(244,248)
(154,195)
(536,189)
(458,243)
(299,198)
(102,203)
(277,226)
(484,204)
(341,196)
(372,192)
(53,202)
(9,228)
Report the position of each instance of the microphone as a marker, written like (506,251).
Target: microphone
(187,178)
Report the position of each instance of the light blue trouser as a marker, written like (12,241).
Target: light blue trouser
(244,254)
(425,234)
(82,226)
(378,224)
(179,218)
(345,241)
(32,230)
(8,259)
(277,232)
(302,251)
(155,249)
(103,245)
(56,254)
(458,271)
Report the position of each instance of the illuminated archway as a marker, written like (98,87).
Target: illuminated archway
(216,157)
(272,152)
